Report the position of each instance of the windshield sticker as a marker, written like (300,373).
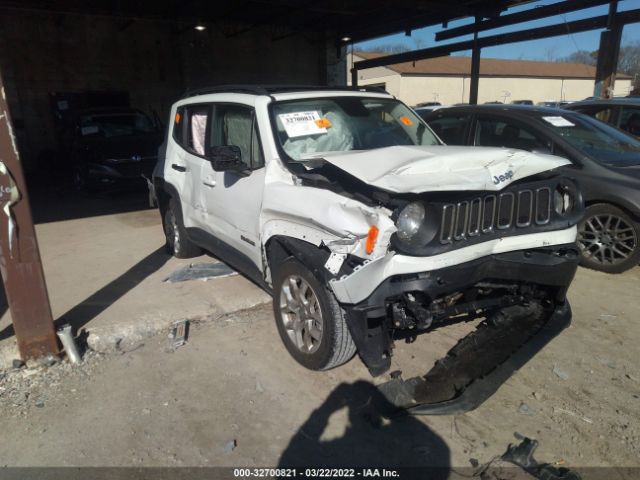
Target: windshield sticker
(558,121)
(323,123)
(406,120)
(299,124)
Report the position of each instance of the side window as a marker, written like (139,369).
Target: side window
(197,123)
(257,158)
(630,120)
(450,129)
(235,125)
(604,114)
(505,133)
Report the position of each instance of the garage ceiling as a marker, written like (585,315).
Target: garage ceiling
(356,19)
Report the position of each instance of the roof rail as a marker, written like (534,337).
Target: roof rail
(270,89)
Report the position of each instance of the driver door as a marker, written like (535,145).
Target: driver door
(233,199)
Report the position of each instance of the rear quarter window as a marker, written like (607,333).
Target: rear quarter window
(178,126)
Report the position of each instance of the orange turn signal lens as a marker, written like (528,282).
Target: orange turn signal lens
(371,239)
(178,118)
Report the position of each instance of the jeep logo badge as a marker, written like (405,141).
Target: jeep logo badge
(497,179)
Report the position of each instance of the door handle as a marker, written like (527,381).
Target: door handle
(179,168)
(209,182)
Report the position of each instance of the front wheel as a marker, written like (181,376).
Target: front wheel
(608,239)
(310,321)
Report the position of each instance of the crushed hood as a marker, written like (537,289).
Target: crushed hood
(415,169)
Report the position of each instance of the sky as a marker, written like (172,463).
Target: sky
(546,49)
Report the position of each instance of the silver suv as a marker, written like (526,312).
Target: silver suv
(365,228)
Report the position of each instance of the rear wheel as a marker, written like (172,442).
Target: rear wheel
(310,321)
(177,243)
(609,239)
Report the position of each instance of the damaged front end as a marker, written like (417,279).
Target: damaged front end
(519,297)
(504,259)
(409,239)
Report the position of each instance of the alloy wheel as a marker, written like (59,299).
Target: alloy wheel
(301,314)
(607,239)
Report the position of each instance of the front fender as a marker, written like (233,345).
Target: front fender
(322,217)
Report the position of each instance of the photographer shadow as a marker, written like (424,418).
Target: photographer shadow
(376,436)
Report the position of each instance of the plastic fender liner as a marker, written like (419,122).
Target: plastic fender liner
(412,395)
(279,247)
(372,340)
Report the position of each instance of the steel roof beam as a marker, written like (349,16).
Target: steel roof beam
(526,16)
(594,23)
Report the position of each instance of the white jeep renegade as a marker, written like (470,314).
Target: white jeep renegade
(365,228)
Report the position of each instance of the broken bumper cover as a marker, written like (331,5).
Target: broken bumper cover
(409,394)
(510,335)
(361,284)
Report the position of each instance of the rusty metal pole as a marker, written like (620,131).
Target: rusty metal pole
(608,53)
(20,263)
(475,69)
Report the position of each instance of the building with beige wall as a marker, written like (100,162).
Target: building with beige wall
(446,80)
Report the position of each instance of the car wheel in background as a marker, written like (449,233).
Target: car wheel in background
(177,243)
(310,321)
(609,239)
(79,180)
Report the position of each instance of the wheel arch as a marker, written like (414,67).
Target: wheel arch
(280,247)
(624,206)
(165,192)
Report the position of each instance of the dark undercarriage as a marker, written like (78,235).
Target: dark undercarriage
(519,297)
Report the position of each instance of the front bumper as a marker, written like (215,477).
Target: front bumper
(412,395)
(536,274)
(368,279)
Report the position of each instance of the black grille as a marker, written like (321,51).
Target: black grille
(489,213)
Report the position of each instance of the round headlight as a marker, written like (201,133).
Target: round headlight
(563,200)
(410,220)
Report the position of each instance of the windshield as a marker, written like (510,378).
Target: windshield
(115,124)
(310,127)
(603,143)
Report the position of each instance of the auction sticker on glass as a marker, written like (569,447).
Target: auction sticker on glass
(558,121)
(299,124)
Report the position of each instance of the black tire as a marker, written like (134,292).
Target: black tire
(177,243)
(335,345)
(609,239)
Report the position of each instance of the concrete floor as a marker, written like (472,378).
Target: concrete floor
(144,405)
(105,274)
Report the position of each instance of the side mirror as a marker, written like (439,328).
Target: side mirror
(226,158)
